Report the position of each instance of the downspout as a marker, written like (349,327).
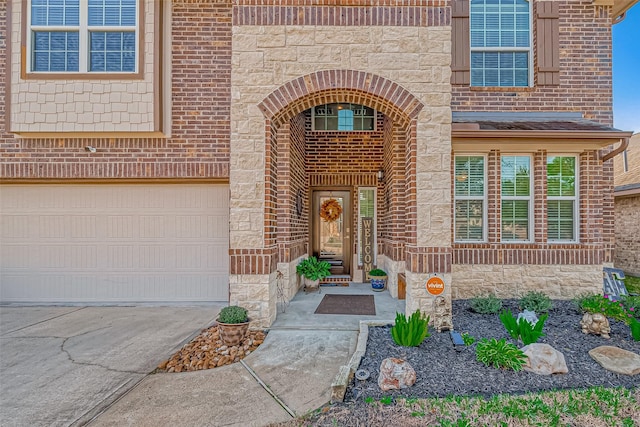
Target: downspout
(624,143)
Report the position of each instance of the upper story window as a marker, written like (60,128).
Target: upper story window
(83,36)
(470,199)
(344,117)
(515,183)
(500,42)
(562,199)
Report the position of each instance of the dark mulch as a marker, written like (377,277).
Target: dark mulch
(442,371)
(347,304)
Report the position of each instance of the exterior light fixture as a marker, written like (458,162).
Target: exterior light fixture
(380,174)
(90,149)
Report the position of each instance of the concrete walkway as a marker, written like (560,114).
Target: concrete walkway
(73,365)
(297,362)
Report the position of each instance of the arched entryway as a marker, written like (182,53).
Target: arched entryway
(300,160)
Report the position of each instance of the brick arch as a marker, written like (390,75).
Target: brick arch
(324,87)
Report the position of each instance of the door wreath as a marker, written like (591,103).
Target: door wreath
(330,210)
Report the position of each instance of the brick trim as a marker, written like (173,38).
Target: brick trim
(252,261)
(527,254)
(428,259)
(326,86)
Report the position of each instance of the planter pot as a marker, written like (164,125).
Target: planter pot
(311,285)
(378,283)
(232,333)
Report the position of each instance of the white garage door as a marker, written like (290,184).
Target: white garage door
(114,243)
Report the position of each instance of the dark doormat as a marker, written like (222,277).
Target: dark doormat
(347,304)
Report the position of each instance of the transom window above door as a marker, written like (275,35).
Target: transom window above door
(82,36)
(343,117)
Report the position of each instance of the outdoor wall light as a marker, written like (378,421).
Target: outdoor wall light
(90,149)
(380,174)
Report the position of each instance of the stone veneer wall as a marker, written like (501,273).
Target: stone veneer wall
(627,255)
(513,281)
(267,57)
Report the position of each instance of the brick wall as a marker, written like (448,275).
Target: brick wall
(627,228)
(585,72)
(199,146)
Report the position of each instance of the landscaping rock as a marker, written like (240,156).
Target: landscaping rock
(542,359)
(207,351)
(617,360)
(396,374)
(595,323)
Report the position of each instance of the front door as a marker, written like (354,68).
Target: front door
(331,237)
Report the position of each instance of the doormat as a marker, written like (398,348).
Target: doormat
(347,304)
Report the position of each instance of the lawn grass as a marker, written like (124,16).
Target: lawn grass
(632,284)
(597,406)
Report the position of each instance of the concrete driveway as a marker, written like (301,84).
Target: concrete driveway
(62,366)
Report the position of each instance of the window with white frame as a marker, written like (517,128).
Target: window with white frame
(500,42)
(562,199)
(366,209)
(470,199)
(83,36)
(515,182)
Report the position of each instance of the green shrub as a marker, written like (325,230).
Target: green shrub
(601,304)
(500,354)
(632,305)
(536,301)
(376,272)
(313,269)
(468,339)
(522,329)
(411,332)
(634,325)
(233,314)
(488,304)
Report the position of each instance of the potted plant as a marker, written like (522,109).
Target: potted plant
(378,279)
(313,271)
(233,323)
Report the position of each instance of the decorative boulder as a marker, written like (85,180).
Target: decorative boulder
(617,360)
(542,359)
(595,323)
(395,374)
(529,316)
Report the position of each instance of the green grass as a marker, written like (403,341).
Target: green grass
(632,284)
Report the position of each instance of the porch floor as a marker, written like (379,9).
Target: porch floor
(299,314)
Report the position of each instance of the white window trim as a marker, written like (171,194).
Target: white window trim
(83,39)
(375,225)
(529,199)
(575,198)
(509,49)
(484,199)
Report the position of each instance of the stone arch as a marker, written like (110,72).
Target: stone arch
(324,87)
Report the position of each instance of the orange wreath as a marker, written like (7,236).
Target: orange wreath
(330,210)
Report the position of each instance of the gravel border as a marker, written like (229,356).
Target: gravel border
(443,371)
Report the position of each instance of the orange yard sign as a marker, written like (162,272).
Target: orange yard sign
(435,285)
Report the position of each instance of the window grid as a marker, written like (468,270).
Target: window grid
(343,117)
(49,18)
(516,191)
(562,198)
(500,32)
(470,198)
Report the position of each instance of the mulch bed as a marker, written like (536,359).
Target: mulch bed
(442,371)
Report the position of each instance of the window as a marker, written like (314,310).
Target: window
(470,195)
(366,209)
(343,116)
(500,42)
(515,180)
(561,198)
(83,36)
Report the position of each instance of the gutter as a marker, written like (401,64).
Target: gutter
(624,143)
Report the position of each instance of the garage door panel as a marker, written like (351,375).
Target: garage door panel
(114,243)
